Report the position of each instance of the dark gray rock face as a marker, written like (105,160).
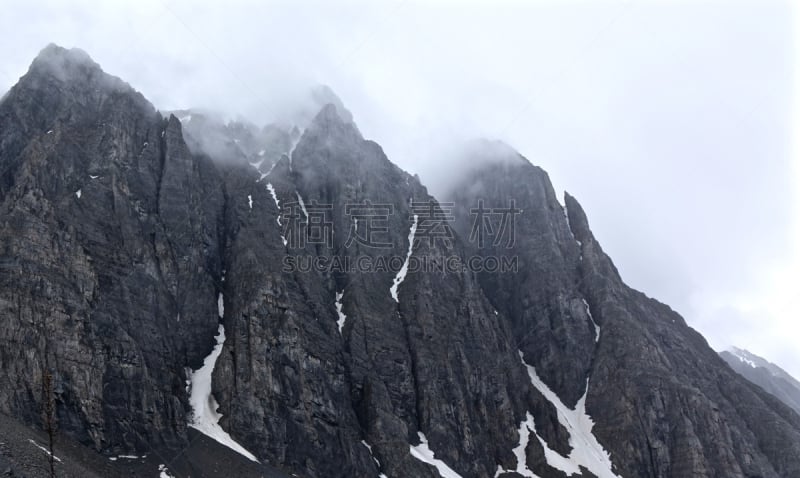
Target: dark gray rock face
(107,259)
(120,230)
(663,403)
(437,360)
(542,298)
(765,374)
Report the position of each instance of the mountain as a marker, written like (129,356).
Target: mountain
(312,310)
(765,374)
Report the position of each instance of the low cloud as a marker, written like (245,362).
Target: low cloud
(669,121)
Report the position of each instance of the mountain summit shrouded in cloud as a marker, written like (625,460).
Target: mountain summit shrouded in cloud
(188,296)
(673,121)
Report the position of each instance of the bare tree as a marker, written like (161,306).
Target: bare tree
(48,416)
(48,391)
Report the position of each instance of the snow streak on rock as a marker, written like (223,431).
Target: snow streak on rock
(342,317)
(742,356)
(44,450)
(275,198)
(552,457)
(596,327)
(586,450)
(205,417)
(566,216)
(569,227)
(277,205)
(126,457)
(401,274)
(302,204)
(525,428)
(380,475)
(258,164)
(423,453)
(163,472)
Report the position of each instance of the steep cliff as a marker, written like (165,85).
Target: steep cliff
(663,403)
(297,298)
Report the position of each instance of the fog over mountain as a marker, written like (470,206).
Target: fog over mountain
(187,296)
(673,121)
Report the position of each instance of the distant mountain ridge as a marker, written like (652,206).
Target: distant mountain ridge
(765,374)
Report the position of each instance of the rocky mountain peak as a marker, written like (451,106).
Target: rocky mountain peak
(331,120)
(59,58)
(311,294)
(70,77)
(70,66)
(323,95)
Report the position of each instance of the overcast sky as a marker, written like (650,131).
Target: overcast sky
(671,122)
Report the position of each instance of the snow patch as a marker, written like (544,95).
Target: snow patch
(380,475)
(125,457)
(302,204)
(525,428)
(586,450)
(342,317)
(566,216)
(401,274)
(220,305)
(742,356)
(277,205)
(78,193)
(264,175)
(596,327)
(569,227)
(205,417)
(370,452)
(250,200)
(261,153)
(257,165)
(422,452)
(553,458)
(163,472)
(44,450)
(274,198)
